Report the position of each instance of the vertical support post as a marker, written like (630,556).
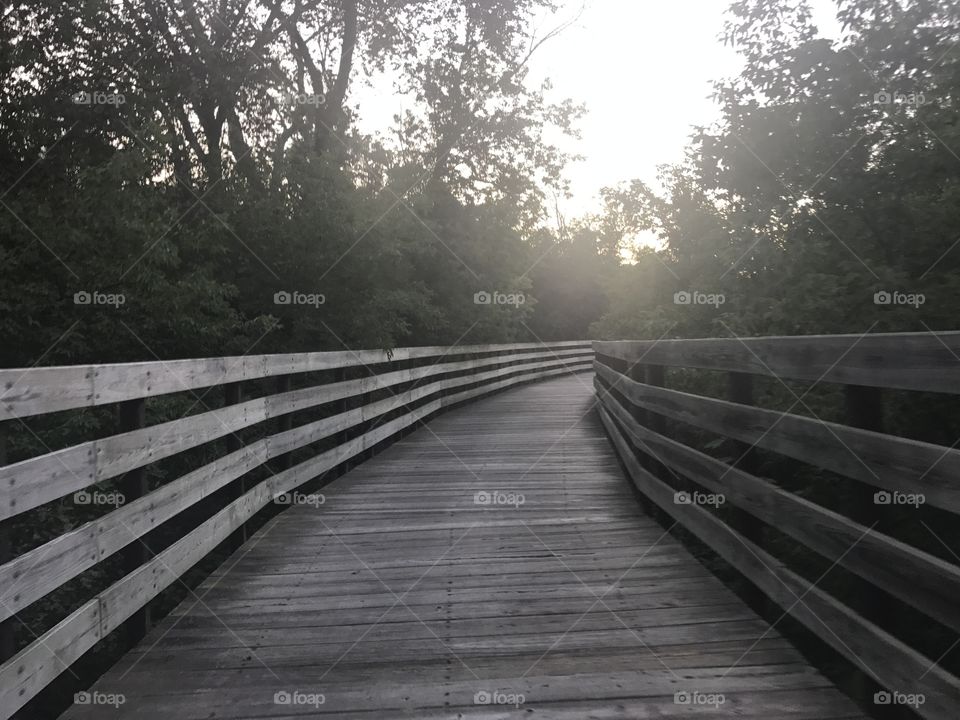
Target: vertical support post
(655,376)
(638,373)
(740,389)
(343,406)
(232,395)
(863,408)
(365,373)
(133,485)
(7,638)
(284,422)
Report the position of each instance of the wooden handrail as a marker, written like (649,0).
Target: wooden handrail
(906,361)
(29,483)
(634,413)
(443,377)
(34,391)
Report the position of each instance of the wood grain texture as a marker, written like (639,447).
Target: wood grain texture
(924,581)
(35,481)
(33,391)
(36,573)
(889,661)
(886,461)
(33,574)
(907,361)
(405,594)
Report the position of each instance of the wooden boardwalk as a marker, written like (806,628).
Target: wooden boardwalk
(498,555)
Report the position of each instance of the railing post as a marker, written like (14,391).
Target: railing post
(343,375)
(284,422)
(133,485)
(365,399)
(740,390)
(638,373)
(233,395)
(654,376)
(863,408)
(7,638)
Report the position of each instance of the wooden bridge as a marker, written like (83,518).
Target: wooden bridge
(459,536)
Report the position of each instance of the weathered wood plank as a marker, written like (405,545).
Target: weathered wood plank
(66,556)
(887,461)
(880,655)
(33,482)
(33,391)
(924,581)
(403,596)
(907,361)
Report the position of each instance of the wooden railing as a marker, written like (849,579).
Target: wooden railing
(636,409)
(358,402)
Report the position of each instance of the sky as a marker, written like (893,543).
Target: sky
(643,68)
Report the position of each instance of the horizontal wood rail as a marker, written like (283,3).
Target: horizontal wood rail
(635,411)
(35,391)
(355,416)
(907,361)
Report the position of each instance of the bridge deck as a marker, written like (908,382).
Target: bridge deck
(403,597)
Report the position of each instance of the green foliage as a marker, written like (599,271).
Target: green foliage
(216,163)
(212,169)
(832,175)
